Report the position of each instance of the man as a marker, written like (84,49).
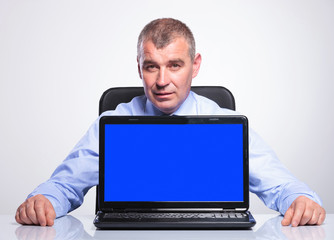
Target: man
(167,63)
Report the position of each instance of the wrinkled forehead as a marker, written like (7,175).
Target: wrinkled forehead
(177,45)
(177,49)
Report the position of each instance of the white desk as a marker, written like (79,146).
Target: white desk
(268,226)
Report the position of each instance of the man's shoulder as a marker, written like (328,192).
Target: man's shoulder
(135,107)
(206,106)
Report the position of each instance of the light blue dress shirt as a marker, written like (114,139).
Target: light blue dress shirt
(268,178)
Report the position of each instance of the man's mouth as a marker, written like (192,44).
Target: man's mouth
(163,94)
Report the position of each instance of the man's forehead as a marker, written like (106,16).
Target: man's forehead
(161,44)
(178,49)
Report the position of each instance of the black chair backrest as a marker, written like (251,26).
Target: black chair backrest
(114,96)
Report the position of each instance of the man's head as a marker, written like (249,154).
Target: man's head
(163,31)
(167,62)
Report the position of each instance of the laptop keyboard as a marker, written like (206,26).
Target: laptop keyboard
(136,215)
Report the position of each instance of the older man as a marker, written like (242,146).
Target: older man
(167,63)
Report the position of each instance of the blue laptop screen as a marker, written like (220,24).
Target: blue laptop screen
(173,162)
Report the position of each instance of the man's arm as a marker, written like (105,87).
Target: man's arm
(279,189)
(36,210)
(66,188)
(304,211)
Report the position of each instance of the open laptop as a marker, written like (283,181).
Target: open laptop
(173,172)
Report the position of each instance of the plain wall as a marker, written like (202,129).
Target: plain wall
(57,57)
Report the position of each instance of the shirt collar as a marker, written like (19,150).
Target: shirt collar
(188,107)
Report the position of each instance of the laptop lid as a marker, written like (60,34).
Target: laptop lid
(150,162)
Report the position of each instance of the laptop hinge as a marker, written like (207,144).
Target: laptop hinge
(189,209)
(167,210)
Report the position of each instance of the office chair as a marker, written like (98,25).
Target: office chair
(114,96)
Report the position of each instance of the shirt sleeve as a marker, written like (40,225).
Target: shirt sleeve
(74,176)
(270,180)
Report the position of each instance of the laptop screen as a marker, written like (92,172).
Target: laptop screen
(154,162)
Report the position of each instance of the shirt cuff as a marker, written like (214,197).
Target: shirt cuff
(288,200)
(59,202)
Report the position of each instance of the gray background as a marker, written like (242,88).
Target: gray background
(57,57)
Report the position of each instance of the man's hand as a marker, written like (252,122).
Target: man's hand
(304,211)
(36,210)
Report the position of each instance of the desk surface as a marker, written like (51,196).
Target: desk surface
(81,227)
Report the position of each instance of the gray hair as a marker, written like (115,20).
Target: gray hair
(163,31)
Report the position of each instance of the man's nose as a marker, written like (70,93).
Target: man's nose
(163,78)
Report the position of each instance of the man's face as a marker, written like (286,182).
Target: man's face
(167,73)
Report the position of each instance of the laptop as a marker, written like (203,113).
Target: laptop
(173,172)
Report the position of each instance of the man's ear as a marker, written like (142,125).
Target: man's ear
(196,64)
(139,71)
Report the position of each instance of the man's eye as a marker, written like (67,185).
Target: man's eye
(175,66)
(150,67)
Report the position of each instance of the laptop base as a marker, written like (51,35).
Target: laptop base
(109,221)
